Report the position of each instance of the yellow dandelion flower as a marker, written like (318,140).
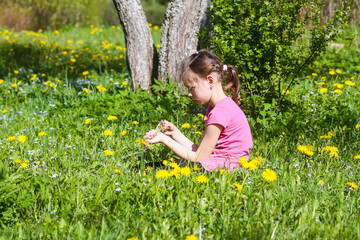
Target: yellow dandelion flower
(16,71)
(22,138)
(185,171)
(173,165)
(357,157)
(338,85)
(118,172)
(350,83)
(86,90)
(108,133)
(320,83)
(165,162)
(4,111)
(198,132)
(14,85)
(238,186)
(133,238)
(11,138)
(24,165)
(202,179)
(357,127)
(200,115)
(242,161)
(325,137)
(176,173)
(332,72)
(185,125)
(196,168)
(87,121)
(148,168)
(321,182)
(334,154)
(42,134)
(125,83)
(339,71)
(101,88)
(191,237)
(323,90)
(123,132)
(18,161)
(162,173)
(108,152)
(85,73)
(332,133)
(135,122)
(111,118)
(337,91)
(286,92)
(352,185)
(307,150)
(251,166)
(269,175)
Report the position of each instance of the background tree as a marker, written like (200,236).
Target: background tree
(182,23)
(140,54)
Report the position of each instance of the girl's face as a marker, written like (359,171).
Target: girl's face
(199,89)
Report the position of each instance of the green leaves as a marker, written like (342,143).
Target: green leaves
(267,43)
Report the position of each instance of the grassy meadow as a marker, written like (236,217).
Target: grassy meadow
(72,159)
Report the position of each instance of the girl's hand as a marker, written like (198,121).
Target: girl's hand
(153,136)
(167,127)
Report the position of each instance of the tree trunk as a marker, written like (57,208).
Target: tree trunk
(140,50)
(182,22)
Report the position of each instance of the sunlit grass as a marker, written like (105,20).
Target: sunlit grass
(68,179)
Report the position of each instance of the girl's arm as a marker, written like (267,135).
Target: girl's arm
(180,138)
(207,145)
(170,129)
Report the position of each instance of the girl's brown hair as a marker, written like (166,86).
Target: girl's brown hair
(205,62)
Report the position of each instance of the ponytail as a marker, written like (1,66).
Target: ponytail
(232,83)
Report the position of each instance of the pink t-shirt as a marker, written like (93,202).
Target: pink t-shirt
(235,139)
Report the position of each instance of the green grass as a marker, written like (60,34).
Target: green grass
(70,189)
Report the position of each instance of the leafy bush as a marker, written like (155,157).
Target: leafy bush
(269,42)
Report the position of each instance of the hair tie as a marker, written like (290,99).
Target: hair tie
(225,67)
(197,53)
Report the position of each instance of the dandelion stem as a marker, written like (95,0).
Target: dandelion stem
(107,161)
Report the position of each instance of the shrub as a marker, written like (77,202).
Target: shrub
(269,42)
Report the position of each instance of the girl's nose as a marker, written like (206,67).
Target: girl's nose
(189,94)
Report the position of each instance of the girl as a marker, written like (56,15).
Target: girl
(227,135)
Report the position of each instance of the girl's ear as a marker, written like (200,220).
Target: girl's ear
(210,80)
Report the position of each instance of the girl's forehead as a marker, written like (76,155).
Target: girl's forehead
(190,78)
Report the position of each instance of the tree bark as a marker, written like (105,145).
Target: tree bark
(141,55)
(182,22)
